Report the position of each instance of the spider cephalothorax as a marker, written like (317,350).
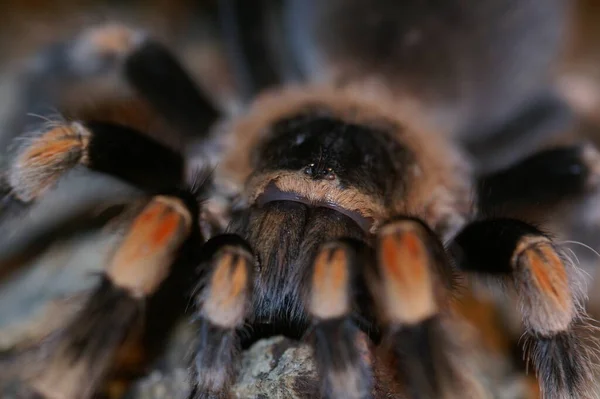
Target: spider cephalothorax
(331,215)
(323,165)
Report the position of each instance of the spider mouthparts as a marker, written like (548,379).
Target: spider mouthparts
(272,193)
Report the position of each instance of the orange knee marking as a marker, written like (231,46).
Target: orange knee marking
(59,132)
(145,255)
(546,295)
(38,166)
(166,229)
(330,270)
(414,253)
(230,278)
(113,39)
(330,281)
(226,301)
(54,144)
(556,264)
(407,280)
(152,211)
(413,245)
(44,151)
(549,274)
(153,229)
(540,273)
(239,280)
(390,256)
(405,259)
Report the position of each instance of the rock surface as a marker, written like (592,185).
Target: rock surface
(273,368)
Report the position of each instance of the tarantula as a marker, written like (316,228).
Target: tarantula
(348,199)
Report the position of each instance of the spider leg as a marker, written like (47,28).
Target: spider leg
(411,284)
(548,178)
(339,354)
(516,254)
(556,188)
(112,60)
(156,249)
(154,73)
(104,147)
(409,281)
(222,299)
(160,78)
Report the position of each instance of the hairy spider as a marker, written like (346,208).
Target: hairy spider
(343,209)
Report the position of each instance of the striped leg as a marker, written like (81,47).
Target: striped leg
(221,299)
(518,255)
(408,280)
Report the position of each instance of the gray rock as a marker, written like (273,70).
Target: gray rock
(277,368)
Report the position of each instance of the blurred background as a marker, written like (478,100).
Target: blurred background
(191,29)
(29,27)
